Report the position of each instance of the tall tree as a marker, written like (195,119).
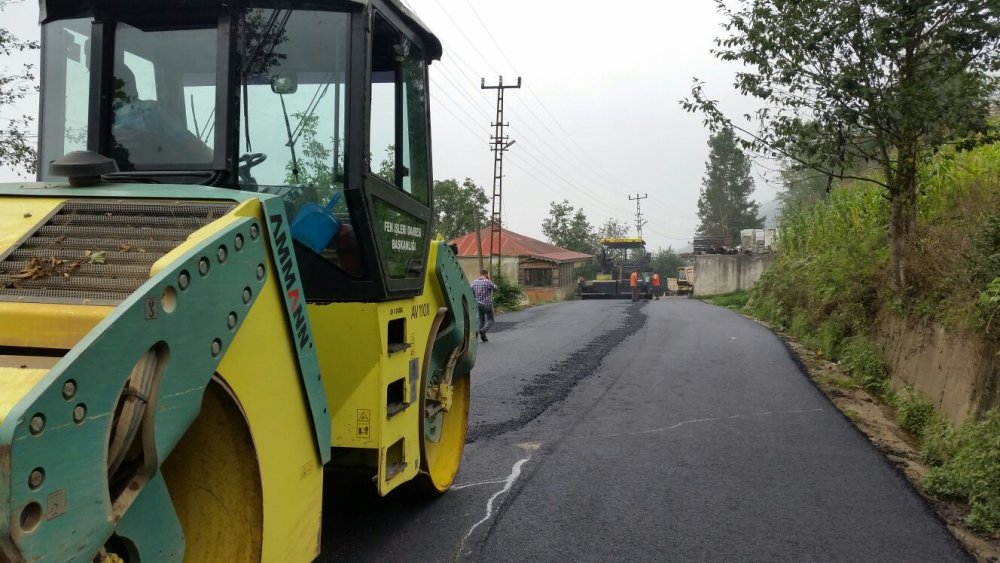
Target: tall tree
(458,208)
(17,149)
(885,82)
(724,206)
(614,228)
(568,227)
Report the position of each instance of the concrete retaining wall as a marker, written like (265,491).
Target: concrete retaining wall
(957,372)
(725,273)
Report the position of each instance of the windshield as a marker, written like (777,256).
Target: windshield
(293,94)
(163,100)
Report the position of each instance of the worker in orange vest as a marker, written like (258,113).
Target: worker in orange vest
(633,282)
(656,286)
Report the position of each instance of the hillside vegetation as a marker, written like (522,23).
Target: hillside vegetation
(831,278)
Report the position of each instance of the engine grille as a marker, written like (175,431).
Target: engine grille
(99,252)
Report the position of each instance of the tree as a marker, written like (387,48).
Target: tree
(568,228)
(884,82)
(613,228)
(458,208)
(724,205)
(16,150)
(387,168)
(801,188)
(315,166)
(665,262)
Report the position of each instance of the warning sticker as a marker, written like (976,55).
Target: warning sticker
(364,423)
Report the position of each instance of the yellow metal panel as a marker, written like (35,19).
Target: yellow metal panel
(15,382)
(18,215)
(357,370)
(47,325)
(261,369)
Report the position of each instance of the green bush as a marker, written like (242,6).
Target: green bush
(939,442)
(989,304)
(972,474)
(913,411)
(863,360)
(508,294)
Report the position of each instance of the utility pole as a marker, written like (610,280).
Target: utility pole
(479,242)
(639,222)
(500,145)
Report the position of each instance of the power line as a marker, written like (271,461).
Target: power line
(471,44)
(560,150)
(458,105)
(490,35)
(586,162)
(464,95)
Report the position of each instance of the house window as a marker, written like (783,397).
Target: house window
(538,277)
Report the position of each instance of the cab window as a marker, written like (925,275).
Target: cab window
(163,99)
(293,100)
(397,141)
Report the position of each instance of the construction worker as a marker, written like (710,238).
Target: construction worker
(633,282)
(656,286)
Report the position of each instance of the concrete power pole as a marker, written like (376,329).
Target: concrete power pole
(500,145)
(639,221)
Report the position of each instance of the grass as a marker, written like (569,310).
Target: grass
(834,381)
(862,359)
(736,300)
(969,468)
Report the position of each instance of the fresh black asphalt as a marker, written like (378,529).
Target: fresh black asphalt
(668,431)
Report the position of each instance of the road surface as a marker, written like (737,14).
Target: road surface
(671,430)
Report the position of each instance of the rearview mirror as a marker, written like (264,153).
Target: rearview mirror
(284,84)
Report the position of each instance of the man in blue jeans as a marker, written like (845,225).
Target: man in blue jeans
(483,288)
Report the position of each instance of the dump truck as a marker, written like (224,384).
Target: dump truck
(223,286)
(685,280)
(620,257)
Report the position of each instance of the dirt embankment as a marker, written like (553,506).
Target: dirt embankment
(876,420)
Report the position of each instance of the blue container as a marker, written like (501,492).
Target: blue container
(315,225)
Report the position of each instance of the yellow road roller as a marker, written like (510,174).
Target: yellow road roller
(224,282)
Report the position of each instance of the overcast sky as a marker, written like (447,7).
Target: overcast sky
(597,117)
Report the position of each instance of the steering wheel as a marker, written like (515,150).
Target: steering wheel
(252,159)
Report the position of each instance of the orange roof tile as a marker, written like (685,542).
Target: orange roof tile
(514,244)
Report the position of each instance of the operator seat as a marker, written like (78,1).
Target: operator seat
(143,133)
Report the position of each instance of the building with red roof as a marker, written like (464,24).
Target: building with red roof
(544,270)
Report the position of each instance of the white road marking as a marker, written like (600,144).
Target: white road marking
(515,472)
(477,484)
(696,421)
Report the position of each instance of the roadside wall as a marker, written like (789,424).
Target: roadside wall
(725,273)
(549,294)
(957,371)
